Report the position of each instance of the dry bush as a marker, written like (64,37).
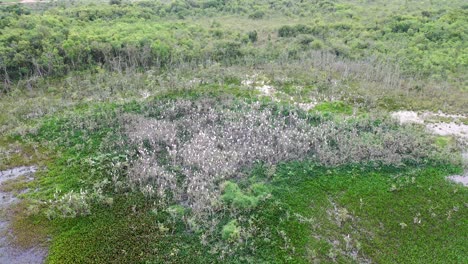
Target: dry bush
(186,148)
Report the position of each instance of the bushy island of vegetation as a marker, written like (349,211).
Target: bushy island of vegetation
(235,131)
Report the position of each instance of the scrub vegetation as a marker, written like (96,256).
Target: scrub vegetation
(235,131)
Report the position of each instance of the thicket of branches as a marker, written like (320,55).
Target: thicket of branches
(142,35)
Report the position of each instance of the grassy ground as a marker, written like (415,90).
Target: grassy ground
(387,216)
(347,214)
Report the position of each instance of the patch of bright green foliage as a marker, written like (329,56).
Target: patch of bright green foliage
(300,213)
(335,107)
(444,141)
(298,189)
(231,231)
(234,196)
(374,213)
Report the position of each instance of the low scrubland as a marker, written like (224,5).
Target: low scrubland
(261,134)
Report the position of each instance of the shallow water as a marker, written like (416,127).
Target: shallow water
(8,252)
(463,179)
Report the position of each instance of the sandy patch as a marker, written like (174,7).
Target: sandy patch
(23,2)
(463,179)
(306,106)
(259,85)
(450,128)
(145,94)
(406,117)
(268,90)
(429,115)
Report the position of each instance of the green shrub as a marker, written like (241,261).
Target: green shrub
(260,190)
(337,107)
(234,196)
(317,44)
(253,36)
(259,14)
(231,231)
(292,31)
(227,50)
(244,201)
(305,39)
(69,205)
(444,141)
(115,2)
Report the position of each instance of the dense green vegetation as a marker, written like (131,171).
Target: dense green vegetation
(292,211)
(430,42)
(235,131)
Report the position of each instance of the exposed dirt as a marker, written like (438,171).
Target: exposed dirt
(265,89)
(463,179)
(451,126)
(23,2)
(259,85)
(408,117)
(449,129)
(29,1)
(9,253)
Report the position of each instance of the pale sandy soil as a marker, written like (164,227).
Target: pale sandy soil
(23,2)
(268,90)
(449,129)
(453,127)
(463,179)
